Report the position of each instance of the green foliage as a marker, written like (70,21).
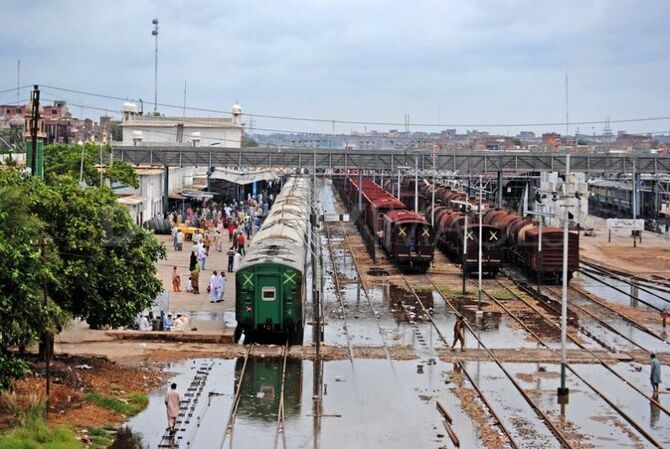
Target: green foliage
(62,160)
(135,403)
(23,271)
(96,264)
(107,273)
(36,434)
(516,141)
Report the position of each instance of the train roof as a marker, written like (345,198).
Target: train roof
(282,237)
(405,216)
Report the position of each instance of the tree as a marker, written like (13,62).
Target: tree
(98,265)
(62,159)
(107,273)
(23,272)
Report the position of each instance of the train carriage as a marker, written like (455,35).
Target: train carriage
(270,279)
(408,239)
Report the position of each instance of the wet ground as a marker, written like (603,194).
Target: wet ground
(392,403)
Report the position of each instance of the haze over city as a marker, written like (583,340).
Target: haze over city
(447,62)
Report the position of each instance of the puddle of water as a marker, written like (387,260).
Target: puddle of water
(362,406)
(602,290)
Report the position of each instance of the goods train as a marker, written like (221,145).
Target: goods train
(406,237)
(507,237)
(261,387)
(270,280)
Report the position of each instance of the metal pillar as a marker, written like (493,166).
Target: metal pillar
(432,197)
(166,188)
(479,256)
(499,194)
(465,241)
(416,184)
(563,392)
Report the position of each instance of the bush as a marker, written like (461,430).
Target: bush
(36,434)
(135,403)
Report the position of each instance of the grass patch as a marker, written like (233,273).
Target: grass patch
(36,434)
(129,406)
(503,294)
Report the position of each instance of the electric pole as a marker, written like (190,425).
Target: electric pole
(34,127)
(154,33)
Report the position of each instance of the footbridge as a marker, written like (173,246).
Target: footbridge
(390,160)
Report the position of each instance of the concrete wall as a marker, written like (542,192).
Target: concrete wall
(222,136)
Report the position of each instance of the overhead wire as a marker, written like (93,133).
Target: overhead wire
(297,133)
(374,122)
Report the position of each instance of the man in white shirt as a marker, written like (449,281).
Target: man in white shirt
(221,283)
(180,240)
(202,255)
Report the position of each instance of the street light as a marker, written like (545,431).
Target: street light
(466,209)
(563,391)
(154,33)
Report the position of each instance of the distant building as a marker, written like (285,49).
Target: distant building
(197,131)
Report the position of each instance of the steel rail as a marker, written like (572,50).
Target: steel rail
(479,392)
(600,321)
(624,280)
(540,414)
(230,423)
(387,351)
(623,414)
(338,292)
(280,414)
(606,306)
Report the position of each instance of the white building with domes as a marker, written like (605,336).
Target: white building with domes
(158,130)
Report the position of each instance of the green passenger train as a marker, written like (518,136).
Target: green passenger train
(270,281)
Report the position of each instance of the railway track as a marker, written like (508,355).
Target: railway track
(498,422)
(585,295)
(609,401)
(338,292)
(534,407)
(234,406)
(280,413)
(364,289)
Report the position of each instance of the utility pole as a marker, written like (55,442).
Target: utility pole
(34,127)
(416,184)
(360,222)
(563,392)
(47,337)
(465,240)
(154,33)
(479,258)
(432,197)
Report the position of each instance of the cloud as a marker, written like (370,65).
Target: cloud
(476,61)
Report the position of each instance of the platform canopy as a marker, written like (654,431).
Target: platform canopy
(243,177)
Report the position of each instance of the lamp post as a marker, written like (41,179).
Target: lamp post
(466,210)
(563,392)
(479,257)
(154,33)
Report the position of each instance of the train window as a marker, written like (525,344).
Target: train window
(269,293)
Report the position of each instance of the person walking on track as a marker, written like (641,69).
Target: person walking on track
(458,333)
(655,376)
(172,403)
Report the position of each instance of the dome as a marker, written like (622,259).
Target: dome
(129,106)
(16,121)
(237,109)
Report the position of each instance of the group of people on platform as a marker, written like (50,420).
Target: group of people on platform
(165,322)
(237,219)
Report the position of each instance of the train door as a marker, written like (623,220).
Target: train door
(268,300)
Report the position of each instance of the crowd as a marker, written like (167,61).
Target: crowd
(212,222)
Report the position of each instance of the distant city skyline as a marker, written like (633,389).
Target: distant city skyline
(447,62)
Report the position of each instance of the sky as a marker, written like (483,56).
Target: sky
(450,62)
